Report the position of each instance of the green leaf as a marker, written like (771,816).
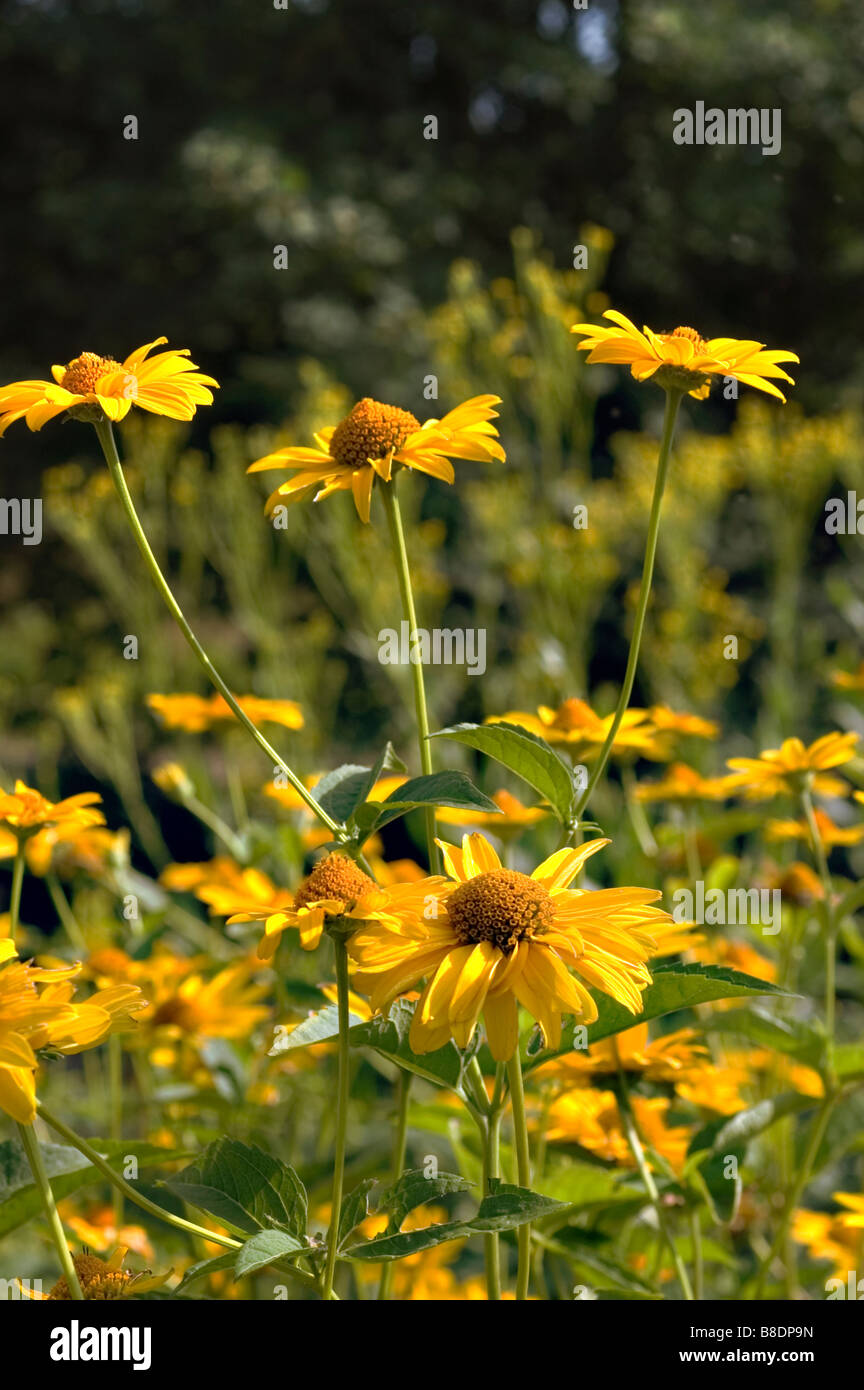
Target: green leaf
(851,902)
(354,1210)
(205,1267)
(735,1132)
(413,1190)
(524,753)
(575,1245)
(69,1171)
(791,1037)
(244,1187)
(341,791)
(849,1061)
(396,1247)
(264,1249)
(674,987)
(510,1206)
(435,789)
(319,1027)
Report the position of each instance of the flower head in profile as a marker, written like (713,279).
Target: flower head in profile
(373,441)
(93,387)
(498,938)
(684,783)
(793,767)
(683,360)
(107,1279)
(26,811)
(335,889)
(592,1119)
(666,1058)
(830,833)
(575,724)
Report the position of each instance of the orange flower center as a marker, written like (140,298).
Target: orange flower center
(501,906)
(371,431)
(83,372)
(96,1279)
(336,877)
(696,339)
(179,1013)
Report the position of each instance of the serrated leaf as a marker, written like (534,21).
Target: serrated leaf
(509,1206)
(448,788)
(206,1267)
(244,1187)
(317,1028)
(674,987)
(414,1190)
(355,1209)
(396,1247)
(339,792)
(528,756)
(264,1249)
(791,1037)
(736,1131)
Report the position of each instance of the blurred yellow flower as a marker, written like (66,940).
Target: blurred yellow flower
(683,783)
(25,810)
(830,834)
(664,1059)
(91,386)
(792,766)
(373,439)
(591,1119)
(683,360)
(575,724)
(514,817)
(195,714)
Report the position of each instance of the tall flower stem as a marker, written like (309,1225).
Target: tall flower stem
(403,570)
(631,1134)
(180,1222)
(115,1103)
(64,912)
(34,1158)
(523,1168)
(105,436)
(491,1138)
(403,1097)
(673,400)
(17,884)
(342,1089)
(830,921)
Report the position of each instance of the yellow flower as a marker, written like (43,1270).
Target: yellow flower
(692,725)
(96,1229)
(575,724)
(193,1007)
(194,714)
(830,834)
(683,360)
(173,780)
(106,1279)
(372,440)
(336,888)
(827,1237)
(32,1018)
(683,783)
(663,1059)
(494,938)
(591,1119)
(91,386)
(849,680)
(854,1218)
(792,766)
(26,811)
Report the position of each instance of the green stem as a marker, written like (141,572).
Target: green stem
(817,1134)
(65,913)
(109,448)
(403,570)
(34,1158)
(523,1168)
(115,1104)
(17,883)
(625,1111)
(831,925)
(190,1227)
(698,1261)
(673,400)
(342,1088)
(490,1135)
(214,822)
(403,1093)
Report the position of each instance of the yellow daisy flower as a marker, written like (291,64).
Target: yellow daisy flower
(664,1059)
(91,386)
(514,817)
(683,360)
(194,714)
(26,810)
(494,938)
(683,783)
(575,725)
(107,1279)
(792,766)
(853,1219)
(830,834)
(335,888)
(692,725)
(592,1119)
(372,440)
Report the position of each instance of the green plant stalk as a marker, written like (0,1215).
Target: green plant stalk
(831,924)
(400,556)
(403,1097)
(34,1158)
(214,822)
(490,1136)
(625,1111)
(190,1227)
(105,436)
(698,1261)
(802,1177)
(673,400)
(64,912)
(115,1105)
(523,1168)
(342,1090)
(17,884)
